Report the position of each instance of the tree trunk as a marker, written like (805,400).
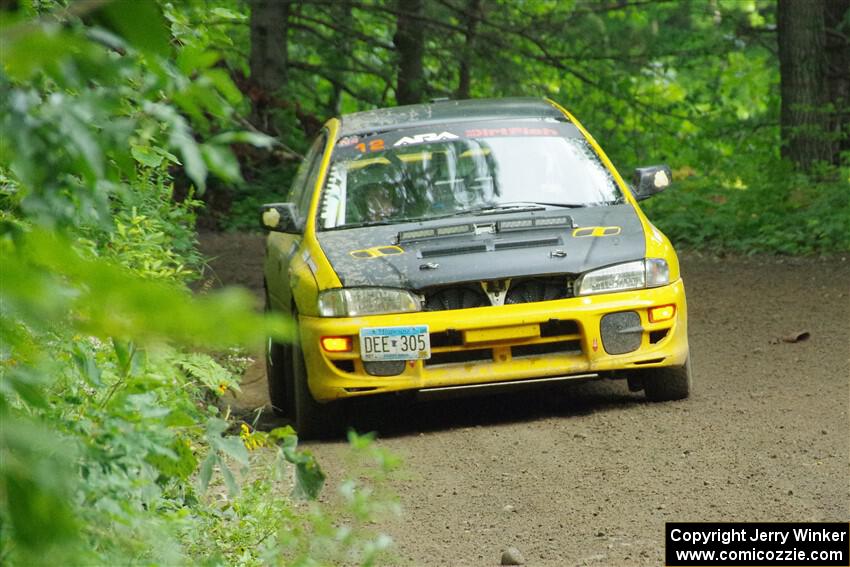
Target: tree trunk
(409,41)
(341,12)
(268,60)
(804,120)
(471,16)
(837,21)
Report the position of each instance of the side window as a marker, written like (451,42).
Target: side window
(305,179)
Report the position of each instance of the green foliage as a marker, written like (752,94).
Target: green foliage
(261,526)
(113,449)
(151,234)
(758,211)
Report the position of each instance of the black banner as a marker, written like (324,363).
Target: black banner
(692,544)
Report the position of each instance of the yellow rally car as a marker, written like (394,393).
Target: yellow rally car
(463,244)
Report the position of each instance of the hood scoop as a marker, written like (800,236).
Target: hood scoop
(453,250)
(509,244)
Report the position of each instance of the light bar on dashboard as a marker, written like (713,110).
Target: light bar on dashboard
(536,222)
(455,229)
(517,224)
(416,234)
(450,230)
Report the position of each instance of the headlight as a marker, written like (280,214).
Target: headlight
(651,272)
(366,301)
(657,272)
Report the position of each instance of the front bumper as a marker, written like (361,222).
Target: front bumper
(488,345)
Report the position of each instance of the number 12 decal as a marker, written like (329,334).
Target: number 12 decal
(374,146)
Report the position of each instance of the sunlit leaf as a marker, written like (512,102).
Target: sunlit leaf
(225,85)
(193,159)
(196,58)
(146,155)
(221,161)
(257,139)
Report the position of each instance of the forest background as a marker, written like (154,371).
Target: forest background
(126,123)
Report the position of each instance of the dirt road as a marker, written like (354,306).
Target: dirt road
(587,474)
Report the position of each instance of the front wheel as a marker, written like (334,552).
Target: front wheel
(279,377)
(279,373)
(667,383)
(312,419)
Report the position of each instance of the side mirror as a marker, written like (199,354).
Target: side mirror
(279,217)
(651,180)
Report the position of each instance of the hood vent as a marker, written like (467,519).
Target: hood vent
(508,244)
(454,250)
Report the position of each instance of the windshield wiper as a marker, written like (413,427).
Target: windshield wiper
(366,223)
(521,206)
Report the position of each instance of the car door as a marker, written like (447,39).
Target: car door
(281,248)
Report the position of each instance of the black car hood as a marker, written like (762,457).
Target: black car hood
(373,256)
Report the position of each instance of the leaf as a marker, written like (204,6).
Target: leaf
(225,85)
(146,155)
(204,368)
(131,361)
(309,477)
(226,14)
(282,433)
(179,418)
(83,143)
(26,384)
(36,471)
(138,362)
(360,442)
(234,448)
(193,160)
(175,461)
(122,354)
(167,155)
(797,337)
(87,366)
(194,58)
(24,56)
(206,471)
(229,481)
(215,427)
(309,480)
(141,22)
(256,139)
(221,161)
(33,509)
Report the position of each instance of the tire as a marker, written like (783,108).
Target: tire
(668,383)
(312,419)
(279,378)
(279,372)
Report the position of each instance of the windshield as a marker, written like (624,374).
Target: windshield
(458,168)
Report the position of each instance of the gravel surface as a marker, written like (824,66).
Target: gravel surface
(587,474)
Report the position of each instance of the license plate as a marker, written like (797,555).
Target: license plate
(395,343)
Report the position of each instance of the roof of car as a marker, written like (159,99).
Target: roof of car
(441,112)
